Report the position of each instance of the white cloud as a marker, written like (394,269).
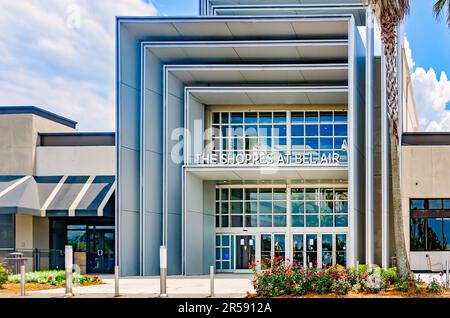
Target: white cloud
(59,54)
(432,95)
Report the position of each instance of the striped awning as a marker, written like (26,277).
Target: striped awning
(58,196)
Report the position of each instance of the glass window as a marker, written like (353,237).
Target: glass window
(312,117)
(279,221)
(341,246)
(326,117)
(7,231)
(434,234)
(326,130)
(435,204)
(237,194)
(237,118)
(216,118)
(327,250)
(279,247)
(265,118)
(251,118)
(298,130)
(312,130)
(298,220)
(265,194)
(340,117)
(446,204)
(297,249)
(417,204)
(341,221)
(446,235)
(417,232)
(312,220)
(340,130)
(266,250)
(279,117)
(298,194)
(279,194)
(297,117)
(311,249)
(77,238)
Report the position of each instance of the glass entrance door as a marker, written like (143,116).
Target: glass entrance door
(245,251)
(101,250)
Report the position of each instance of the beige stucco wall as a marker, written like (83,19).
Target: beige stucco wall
(425,174)
(76,160)
(18,141)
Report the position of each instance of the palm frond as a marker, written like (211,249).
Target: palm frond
(439,8)
(395,9)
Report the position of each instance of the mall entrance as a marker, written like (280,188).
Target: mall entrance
(92,240)
(236,252)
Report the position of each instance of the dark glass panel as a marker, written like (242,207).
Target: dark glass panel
(417,205)
(434,234)
(237,194)
(251,118)
(297,117)
(435,204)
(237,118)
(312,117)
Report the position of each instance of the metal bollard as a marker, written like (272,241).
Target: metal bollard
(22,280)
(357,267)
(69,269)
(116,281)
(163,272)
(211,281)
(310,265)
(447,282)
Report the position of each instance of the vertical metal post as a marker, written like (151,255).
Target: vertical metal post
(310,265)
(163,271)
(447,282)
(357,267)
(211,281)
(69,269)
(22,280)
(116,281)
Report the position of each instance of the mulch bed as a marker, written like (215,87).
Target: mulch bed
(391,293)
(14,289)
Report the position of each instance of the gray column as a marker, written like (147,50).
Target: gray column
(370,105)
(385,188)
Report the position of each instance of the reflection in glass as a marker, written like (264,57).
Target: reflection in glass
(417,232)
(297,249)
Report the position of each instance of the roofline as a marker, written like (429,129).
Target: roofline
(33,110)
(426,139)
(155,19)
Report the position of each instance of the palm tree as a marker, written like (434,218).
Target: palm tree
(390,13)
(438,9)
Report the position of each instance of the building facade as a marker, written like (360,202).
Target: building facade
(57,188)
(245,134)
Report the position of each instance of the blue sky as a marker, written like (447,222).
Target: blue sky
(60,55)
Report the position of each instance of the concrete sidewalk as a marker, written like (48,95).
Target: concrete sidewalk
(225,285)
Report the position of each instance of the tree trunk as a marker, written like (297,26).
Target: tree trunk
(389,35)
(399,233)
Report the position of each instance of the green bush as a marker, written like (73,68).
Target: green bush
(54,278)
(434,287)
(390,274)
(408,283)
(3,275)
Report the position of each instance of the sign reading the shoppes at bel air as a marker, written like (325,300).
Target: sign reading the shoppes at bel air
(268,159)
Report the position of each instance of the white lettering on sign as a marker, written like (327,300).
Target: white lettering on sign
(268,159)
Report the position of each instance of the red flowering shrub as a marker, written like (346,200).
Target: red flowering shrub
(282,278)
